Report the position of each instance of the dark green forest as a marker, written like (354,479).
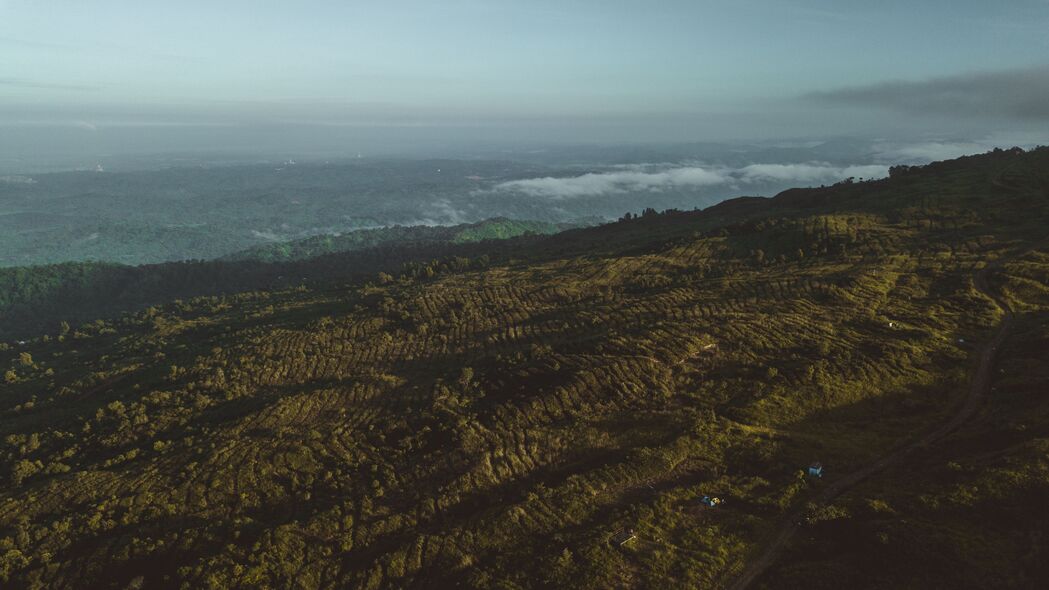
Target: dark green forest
(429,236)
(34,299)
(549,411)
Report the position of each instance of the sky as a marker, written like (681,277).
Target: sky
(613,70)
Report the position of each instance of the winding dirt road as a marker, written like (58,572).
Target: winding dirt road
(974,398)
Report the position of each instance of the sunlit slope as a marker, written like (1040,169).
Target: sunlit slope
(40,298)
(494,421)
(929,521)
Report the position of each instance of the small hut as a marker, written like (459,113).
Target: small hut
(623,537)
(816,469)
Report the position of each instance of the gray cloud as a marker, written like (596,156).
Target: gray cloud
(1017,94)
(78,48)
(931,151)
(23,83)
(947,149)
(33,44)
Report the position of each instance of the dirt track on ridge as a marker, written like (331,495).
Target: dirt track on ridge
(979,387)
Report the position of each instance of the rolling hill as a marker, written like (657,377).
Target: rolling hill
(34,299)
(549,411)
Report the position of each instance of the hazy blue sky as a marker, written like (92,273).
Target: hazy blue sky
(745,66)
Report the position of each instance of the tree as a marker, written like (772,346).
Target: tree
(24,469)
(466,377)
(561,573)
(10,562)
(897,171)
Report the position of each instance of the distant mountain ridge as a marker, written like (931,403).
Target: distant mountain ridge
(499,228)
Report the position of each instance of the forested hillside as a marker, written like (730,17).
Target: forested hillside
(490,229)
(40,298)
(550,411)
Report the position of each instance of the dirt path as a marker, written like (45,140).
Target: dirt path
(974,398)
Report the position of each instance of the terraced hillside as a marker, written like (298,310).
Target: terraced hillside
(967,513)
(498,421)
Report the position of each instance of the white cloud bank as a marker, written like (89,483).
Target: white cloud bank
(821,173)
(685,177)
(934,150)
(612,182)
